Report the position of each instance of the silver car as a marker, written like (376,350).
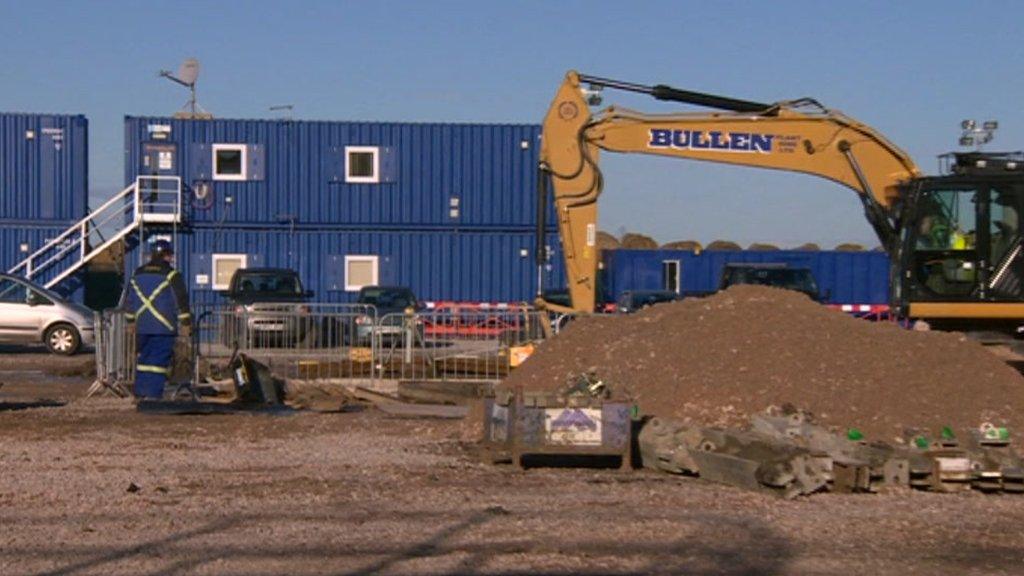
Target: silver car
(31,314)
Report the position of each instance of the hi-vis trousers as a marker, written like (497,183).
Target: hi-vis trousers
(153,364)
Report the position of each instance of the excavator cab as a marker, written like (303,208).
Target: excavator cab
(962,238)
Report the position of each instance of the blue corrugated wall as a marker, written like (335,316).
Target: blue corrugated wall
(43,186)
(32,237)
(850,277)
(489,170)
(299,213)
(43,168)
(462,266)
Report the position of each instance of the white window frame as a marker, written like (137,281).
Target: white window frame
(216,258)
(679,275)
(349,178)
(375,260)
(243,149)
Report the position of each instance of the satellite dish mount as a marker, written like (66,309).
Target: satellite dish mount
(187,75)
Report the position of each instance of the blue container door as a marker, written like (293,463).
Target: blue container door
(159,159)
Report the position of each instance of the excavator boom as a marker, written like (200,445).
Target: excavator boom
(797,136)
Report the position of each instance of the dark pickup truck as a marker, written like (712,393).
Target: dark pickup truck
(269,307)
(635,300)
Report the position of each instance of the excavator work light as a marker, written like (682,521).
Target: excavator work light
(975,136)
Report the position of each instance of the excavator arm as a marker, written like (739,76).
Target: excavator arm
(796,136)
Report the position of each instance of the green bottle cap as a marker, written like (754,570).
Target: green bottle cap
(854,434)
(921,442)
(947,433)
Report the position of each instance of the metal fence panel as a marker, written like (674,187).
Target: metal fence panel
(457,344)
(298,342)
(115,354)
(343,344)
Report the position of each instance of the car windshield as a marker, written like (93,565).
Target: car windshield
(386,298)
(789,278)
(269,283)
(17,291)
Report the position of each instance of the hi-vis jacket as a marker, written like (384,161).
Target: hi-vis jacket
(156,300)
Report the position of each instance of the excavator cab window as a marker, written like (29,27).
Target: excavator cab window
(945,247)
(1005,241)
(966,242)
(948,220)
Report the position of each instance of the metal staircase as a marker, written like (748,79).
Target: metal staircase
(150,199)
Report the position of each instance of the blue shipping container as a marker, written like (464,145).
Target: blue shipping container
(396,176)
(18,241)
(43,168)
(438,266)
(848,277)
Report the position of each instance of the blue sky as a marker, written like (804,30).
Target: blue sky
(913,70)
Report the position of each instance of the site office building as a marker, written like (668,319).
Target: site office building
(446,209)
(43,186)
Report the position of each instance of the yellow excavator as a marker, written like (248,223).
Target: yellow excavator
(954,240)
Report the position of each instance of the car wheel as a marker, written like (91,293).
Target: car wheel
(62,339)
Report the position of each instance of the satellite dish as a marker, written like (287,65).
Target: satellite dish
(187,75)
(188,72)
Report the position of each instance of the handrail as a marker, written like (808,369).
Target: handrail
(76,237)
(60,239)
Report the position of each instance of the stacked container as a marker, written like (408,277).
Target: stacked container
(43,183)
(446,209)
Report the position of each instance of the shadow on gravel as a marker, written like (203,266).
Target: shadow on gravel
(39,350)
(12,406)
(715,545)
(432,546)
(153,547)
(726,547)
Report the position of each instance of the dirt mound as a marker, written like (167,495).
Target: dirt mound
(606,241)
(717,360)
(631,241)
(723,245)
(691,245)
(849,247)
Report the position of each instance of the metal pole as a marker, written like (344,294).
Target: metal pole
(540,239)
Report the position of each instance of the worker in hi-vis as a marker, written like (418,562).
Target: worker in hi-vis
(156,302)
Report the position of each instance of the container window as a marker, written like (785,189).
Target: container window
(224,267)
(362,164)
(360,271)
(230,162)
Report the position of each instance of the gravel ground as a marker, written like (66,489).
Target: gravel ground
(95,488)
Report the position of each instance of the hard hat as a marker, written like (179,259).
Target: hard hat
(161,248)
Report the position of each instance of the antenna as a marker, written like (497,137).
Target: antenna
(187,75)
(285,109)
